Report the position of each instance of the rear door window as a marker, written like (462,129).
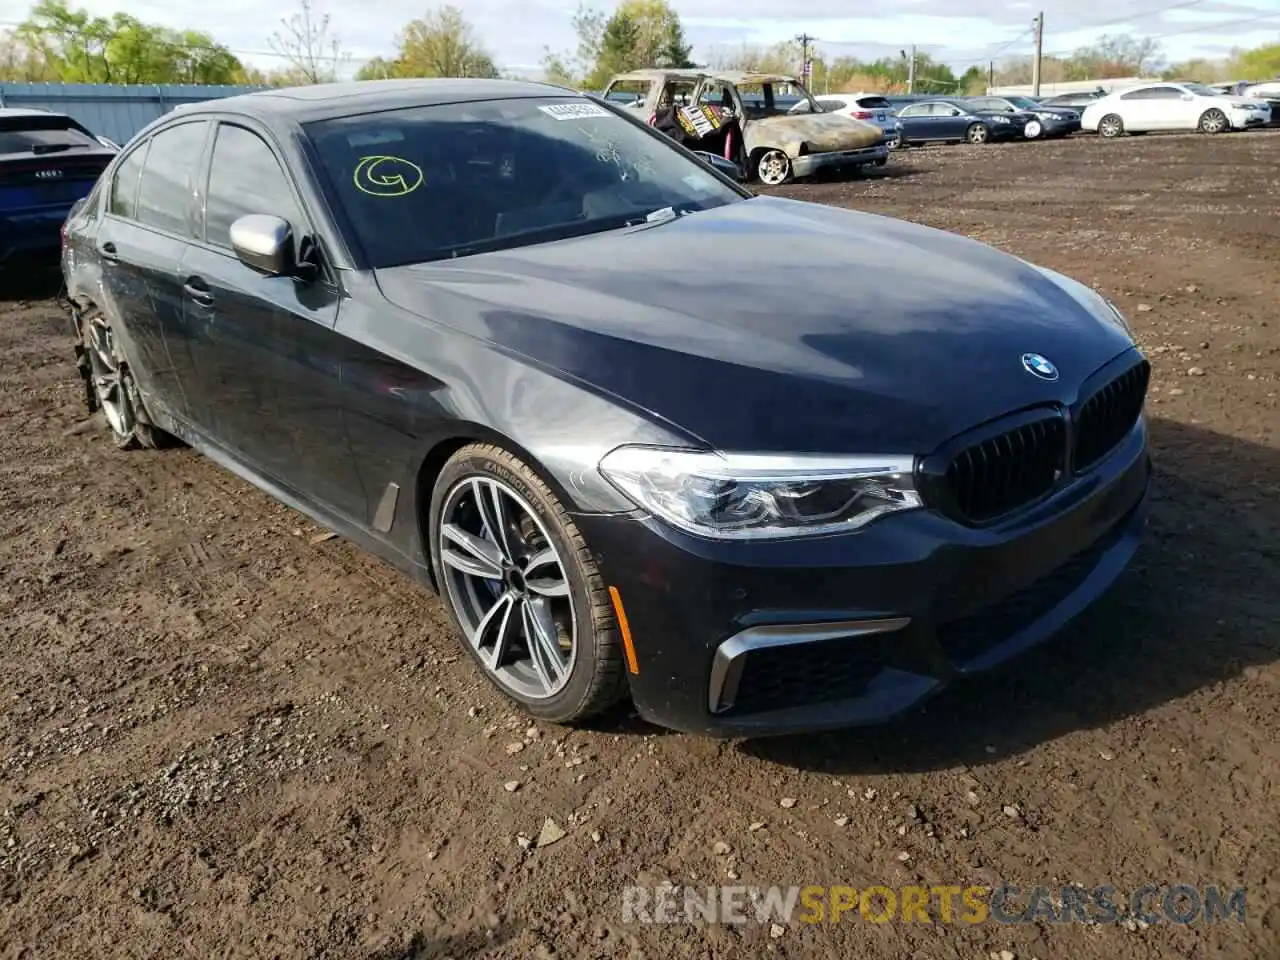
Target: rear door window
(123,201)
(166,197)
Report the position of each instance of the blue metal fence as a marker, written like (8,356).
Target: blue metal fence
(116,111)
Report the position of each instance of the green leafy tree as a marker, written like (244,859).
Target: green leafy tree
(379,68)
(440,44)
(638,34)
(59,44)
(1260,63)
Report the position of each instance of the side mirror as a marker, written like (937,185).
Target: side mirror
(1187,96)
(264,243)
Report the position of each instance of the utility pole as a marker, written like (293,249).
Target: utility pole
(804,40)
(1035,66)
(911,68)
(991,75)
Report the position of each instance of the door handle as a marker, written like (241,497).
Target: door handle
(195,289)
(108,252)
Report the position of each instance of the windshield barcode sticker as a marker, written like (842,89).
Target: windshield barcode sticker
(573,111)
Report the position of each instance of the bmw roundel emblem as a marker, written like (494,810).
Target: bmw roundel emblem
(1039,366)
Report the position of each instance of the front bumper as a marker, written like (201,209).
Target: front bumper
(1059,128)
(1005,131)
(746,639)
(1247,121)
(811,163)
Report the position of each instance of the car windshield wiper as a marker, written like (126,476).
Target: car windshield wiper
(40,148)
(664,214)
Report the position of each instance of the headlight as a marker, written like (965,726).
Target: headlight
(751,496)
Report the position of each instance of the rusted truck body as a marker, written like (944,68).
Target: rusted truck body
(767,123)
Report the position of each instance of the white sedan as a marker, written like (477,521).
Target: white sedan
(1172,106)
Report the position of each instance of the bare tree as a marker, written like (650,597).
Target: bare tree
(314,54)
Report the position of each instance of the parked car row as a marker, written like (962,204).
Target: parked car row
(1156,106)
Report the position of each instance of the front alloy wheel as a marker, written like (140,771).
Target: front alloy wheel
(1214,121)
(773,168)
(1032,130)
(977,133)
(522,588)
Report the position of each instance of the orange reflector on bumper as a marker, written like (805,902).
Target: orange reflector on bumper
(628,647)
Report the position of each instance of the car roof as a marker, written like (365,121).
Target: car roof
(17,112)
(329,100)
(751,76)
(658,73)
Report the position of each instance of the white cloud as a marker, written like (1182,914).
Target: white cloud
(954,31)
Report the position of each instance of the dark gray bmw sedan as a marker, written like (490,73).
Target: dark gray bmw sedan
(647,435)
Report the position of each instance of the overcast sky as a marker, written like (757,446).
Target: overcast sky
(958,32)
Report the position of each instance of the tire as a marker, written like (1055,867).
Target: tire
(977,133)
(1214,121)
(110,387)
(1110,126)
(1033,130)
(897,143)
(773,168)
(558,685)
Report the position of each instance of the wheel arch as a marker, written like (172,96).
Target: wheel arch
(464,433)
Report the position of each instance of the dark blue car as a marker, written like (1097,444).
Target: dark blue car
(48,161)
(944,120)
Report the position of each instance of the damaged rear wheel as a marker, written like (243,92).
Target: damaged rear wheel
(111,386)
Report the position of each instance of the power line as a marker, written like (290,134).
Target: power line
(1198,28)
(1214,26)
(1129,18)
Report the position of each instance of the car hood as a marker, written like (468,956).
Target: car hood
(823,132)
(773,324)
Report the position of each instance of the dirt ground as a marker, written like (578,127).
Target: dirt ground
(224,735)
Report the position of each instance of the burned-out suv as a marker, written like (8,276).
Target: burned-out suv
(767,123)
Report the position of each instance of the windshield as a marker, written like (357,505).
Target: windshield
(770,98)
(34,134)
(1023,103)
(1202,90)
(425,183)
